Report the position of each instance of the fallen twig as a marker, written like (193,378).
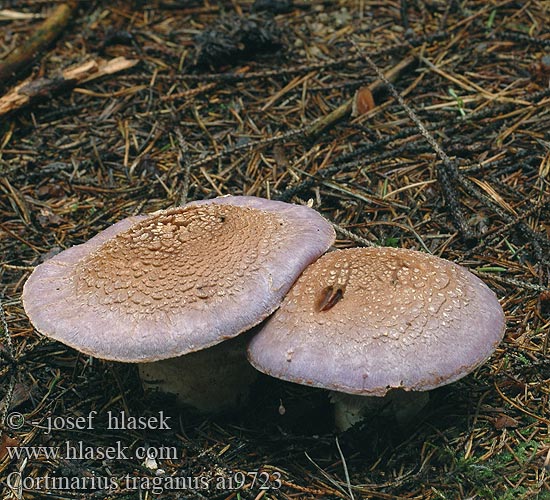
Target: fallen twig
(13,15)
(46,33)
(30,90)
(345,109)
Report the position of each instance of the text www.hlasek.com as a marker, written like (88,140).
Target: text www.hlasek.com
(79,451)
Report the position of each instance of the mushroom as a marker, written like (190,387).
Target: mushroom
(373,322)
(175,282)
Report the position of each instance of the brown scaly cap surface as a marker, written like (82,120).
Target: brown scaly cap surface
(365,320)
(176,281)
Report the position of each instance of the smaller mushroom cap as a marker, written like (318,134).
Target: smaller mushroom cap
(176,281)
(367,320)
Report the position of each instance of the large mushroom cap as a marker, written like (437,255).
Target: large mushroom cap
(176,281)
(366,320)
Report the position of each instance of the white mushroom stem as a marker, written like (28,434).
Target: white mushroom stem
(213,380)
(350,409)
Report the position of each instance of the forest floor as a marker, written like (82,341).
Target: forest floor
(135,106)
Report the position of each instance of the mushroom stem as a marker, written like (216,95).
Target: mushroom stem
(350,409)
(212,380)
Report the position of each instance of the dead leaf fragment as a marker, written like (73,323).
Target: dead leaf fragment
(5,443)
(362,102)
(505,422)
(544,303)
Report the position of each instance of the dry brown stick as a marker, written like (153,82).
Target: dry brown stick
(305,131)
(345,109)
(30,90)
(46,33)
